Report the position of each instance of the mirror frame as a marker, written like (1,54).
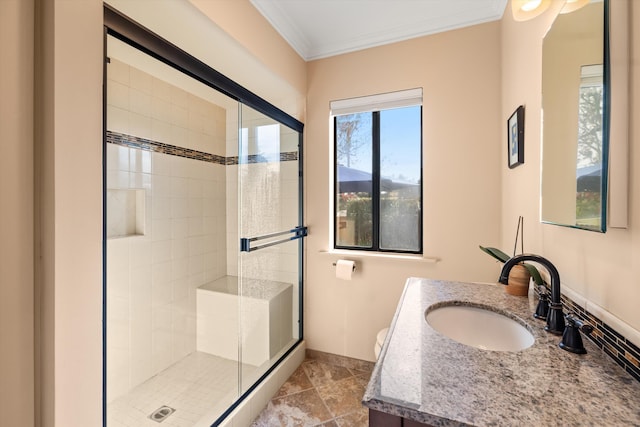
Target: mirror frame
(619,45)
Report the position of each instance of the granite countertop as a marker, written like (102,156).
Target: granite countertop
(425,376)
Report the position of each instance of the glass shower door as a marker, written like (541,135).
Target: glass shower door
(271,231)
(172,318)
(192,323)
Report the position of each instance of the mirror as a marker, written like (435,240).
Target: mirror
(575,119)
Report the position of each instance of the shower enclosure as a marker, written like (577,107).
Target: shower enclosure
(203,235)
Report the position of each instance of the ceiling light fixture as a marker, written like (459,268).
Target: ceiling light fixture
(573,5)
(523,10)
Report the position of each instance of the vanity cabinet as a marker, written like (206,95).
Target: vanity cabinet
(382,419)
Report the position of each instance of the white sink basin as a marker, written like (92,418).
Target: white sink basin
(479,327)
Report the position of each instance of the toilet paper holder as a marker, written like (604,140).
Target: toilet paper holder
(354,265)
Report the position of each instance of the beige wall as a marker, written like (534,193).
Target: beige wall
(69,196)
(460,75)
(603,268)
(247,26)
(16,214)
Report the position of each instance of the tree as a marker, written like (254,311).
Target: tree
(350,140)
(590,126)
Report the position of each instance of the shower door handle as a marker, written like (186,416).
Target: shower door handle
(245,242)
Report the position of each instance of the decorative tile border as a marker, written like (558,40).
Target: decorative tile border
(616,346)
(173,150)
(159,147)
(289,156)
(258,158)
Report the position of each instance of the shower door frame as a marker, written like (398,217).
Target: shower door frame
(129,31)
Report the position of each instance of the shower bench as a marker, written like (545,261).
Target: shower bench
(260,317)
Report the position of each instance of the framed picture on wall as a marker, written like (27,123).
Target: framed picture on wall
(515,137)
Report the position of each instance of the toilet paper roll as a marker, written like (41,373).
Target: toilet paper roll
(344,269)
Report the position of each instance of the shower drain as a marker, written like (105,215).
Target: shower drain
(161,414)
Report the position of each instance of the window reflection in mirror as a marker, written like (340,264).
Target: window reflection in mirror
(589,163)
(574,158)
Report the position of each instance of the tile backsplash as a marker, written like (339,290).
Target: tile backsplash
(615,345)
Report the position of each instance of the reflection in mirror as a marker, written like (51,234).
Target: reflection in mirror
(589,153)
(575,143)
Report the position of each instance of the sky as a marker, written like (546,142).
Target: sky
(400,133)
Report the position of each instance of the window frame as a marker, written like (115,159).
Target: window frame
(376,194)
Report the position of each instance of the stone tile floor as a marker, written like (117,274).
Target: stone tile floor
(326,390)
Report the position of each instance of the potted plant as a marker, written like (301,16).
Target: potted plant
(521,273)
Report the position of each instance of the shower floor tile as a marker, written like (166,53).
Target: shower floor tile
(190,387)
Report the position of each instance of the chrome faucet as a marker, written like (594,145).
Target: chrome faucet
(555,317)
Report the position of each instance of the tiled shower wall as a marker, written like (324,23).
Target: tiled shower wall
(152,278)
(269,200)
(269,196)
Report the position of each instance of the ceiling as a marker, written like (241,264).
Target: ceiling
(322,28)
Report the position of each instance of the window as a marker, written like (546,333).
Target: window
(378,172)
